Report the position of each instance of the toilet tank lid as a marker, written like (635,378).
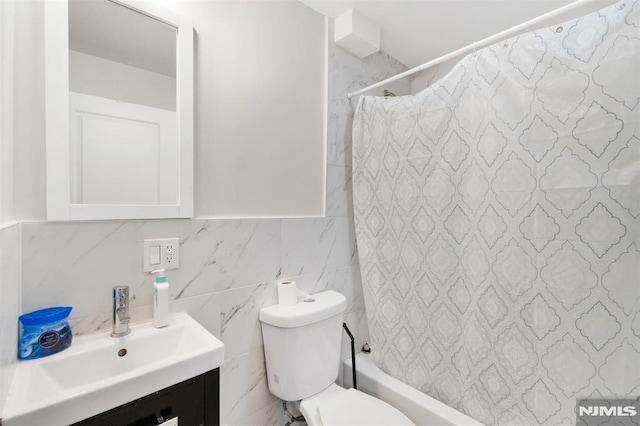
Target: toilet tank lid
(325,305)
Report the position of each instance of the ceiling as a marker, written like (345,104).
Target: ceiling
(416,31)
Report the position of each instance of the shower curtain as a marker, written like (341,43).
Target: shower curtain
(497,222)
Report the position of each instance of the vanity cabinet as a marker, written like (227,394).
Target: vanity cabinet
(194,402)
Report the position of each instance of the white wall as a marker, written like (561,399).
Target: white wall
(96,76)
(28,106)
(259,124)
(259,108)
(6,112)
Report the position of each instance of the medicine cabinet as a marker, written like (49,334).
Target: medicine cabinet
(119,111)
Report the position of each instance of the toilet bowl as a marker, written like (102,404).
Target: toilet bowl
(336,406)
(302,355)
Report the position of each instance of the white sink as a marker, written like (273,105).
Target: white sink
(94,374)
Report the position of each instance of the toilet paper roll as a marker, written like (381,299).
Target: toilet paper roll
(287,293)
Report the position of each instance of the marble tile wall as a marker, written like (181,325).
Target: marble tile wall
(228,268)
(228,272)
(9,305)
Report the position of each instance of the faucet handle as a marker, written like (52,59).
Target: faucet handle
(121,292)
(121,317)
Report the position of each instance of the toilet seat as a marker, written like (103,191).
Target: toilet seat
(336,406)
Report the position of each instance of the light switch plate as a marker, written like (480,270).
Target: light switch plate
(169,254)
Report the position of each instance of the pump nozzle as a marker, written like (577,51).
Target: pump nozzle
(161,277)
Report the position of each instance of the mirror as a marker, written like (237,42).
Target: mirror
(119,112)
(122,105)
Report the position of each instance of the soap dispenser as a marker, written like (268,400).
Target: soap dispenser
(160,300)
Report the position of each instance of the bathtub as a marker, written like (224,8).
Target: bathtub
(419,407)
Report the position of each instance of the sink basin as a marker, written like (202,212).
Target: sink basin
(99,372)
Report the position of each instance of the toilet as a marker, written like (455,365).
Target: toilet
(302,354)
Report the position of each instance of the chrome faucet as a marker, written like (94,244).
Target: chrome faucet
(120,318)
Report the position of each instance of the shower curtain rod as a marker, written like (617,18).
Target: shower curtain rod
(477,45)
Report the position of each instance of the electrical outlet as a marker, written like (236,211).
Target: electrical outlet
(161,253)
(170,255)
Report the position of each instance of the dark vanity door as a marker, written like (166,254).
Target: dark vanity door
(195,402)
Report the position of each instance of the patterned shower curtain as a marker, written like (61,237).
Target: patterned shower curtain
(497,219)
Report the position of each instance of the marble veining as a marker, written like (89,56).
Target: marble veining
(239,324)
(271,415)
(244,381)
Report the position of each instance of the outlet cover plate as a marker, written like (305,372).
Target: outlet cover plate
(169,254)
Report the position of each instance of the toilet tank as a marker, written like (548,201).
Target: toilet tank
(302,345)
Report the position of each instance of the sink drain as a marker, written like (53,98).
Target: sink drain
(122,352)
